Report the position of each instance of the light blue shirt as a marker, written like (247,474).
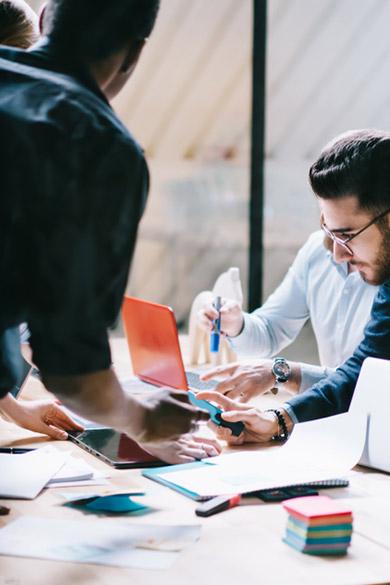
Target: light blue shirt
(338,304)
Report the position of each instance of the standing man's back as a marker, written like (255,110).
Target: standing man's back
(73,188)
(74,184)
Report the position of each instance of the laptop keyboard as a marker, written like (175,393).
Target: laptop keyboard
(195,382)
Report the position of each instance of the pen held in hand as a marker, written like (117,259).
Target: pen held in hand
(216,332)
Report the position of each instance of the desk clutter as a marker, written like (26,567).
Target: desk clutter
(318,525)
(25,474)
(119,544)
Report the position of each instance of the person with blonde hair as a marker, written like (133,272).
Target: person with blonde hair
(19,25)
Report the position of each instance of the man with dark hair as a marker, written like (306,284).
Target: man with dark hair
(69,213)
(351,180)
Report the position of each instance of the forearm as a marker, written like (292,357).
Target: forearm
(99,397)
(254,338)
(9,407)
(330,396)
(312,374)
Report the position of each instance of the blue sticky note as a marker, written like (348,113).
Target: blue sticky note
(119,503)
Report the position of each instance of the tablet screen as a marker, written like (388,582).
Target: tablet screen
(117,447)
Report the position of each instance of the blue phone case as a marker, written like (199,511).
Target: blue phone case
(215,414)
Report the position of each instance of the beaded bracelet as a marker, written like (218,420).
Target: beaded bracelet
(282,426)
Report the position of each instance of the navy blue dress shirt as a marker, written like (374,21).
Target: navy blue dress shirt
(333,394)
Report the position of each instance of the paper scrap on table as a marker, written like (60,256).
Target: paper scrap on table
(80,483)
(73,470)
(25,475)
(115,503)
(76,472)
(317,450)
(137,546)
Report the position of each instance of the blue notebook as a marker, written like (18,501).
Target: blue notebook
(155,472)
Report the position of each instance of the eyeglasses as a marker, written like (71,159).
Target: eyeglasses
(343,242)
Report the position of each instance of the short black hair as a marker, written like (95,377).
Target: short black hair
(355,163)
(96,29)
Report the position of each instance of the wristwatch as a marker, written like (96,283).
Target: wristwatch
(282,371)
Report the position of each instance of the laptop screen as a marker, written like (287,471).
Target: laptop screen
(153,342)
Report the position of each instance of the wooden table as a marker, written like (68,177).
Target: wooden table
(243,545)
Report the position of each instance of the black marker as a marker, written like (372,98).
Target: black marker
(218,504)
(14,450)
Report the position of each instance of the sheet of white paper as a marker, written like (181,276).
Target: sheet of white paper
(79,483)
(25,475)
(317,450)
(138,546)
(74,469)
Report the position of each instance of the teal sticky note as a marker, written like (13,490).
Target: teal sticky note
(114,503)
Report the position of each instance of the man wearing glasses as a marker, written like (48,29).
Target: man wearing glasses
(351,180)
(332,295)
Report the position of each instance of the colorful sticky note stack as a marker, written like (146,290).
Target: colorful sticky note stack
(318,525)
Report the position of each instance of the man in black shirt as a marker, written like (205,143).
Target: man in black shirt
(73,188)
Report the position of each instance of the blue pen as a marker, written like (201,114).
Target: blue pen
(216,332)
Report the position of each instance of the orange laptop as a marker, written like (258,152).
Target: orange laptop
(154,348)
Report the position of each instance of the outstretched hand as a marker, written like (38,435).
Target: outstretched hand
(260,426)
(186,449)
(43,416)
(243,382)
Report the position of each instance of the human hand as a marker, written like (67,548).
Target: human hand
(242,382)
(165,414)
(185,449)
(232,317)
(260,426)
(43,416)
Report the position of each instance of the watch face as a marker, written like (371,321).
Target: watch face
(281,370)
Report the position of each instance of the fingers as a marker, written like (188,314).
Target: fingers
(236,416)
(207,442)
(251,417)
(206,316)
(55,432)
(227,370)
(68,423)
(198,447)
(185,449)
(199,452)
(225,434)
(53,414)
(224,401)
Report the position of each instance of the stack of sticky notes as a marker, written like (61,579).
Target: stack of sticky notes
(318,525)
